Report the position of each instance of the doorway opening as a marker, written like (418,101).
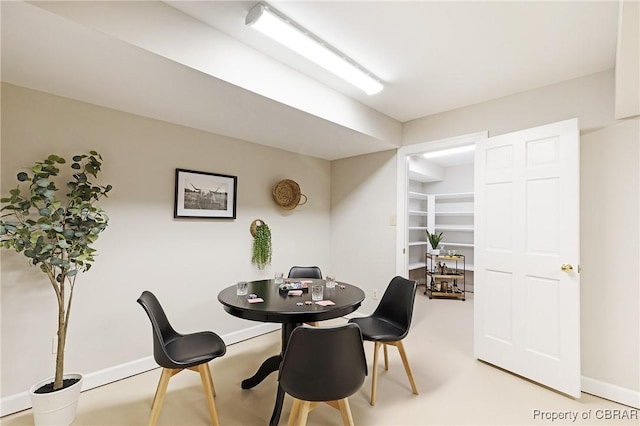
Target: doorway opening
(436,194)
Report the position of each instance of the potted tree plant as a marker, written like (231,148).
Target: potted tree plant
(55,231)
(434,240)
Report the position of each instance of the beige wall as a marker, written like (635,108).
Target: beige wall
(363,201)
(185,262)
(589,98)
(609,209)
(610,241)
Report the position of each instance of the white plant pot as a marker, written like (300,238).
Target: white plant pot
(59,407)
(435,252)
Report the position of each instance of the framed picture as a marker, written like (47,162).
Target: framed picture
(205,195)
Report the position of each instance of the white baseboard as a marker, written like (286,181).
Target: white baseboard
(611,392)
(21,401)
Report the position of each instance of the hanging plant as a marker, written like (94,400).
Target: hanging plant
(261,244)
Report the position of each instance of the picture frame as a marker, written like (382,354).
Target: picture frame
(205,195)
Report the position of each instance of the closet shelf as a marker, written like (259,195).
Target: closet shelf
(461,228)
(454,195)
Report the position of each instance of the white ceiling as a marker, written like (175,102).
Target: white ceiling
(195,62)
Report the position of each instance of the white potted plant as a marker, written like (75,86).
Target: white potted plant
(434,240)
(55,229)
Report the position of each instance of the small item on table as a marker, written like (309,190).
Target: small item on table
(294,293)
(293,285)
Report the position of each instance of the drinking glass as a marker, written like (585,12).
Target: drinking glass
(331,282)
(241,288)
(316,292)
(279,278)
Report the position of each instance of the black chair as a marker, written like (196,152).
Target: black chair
(323,365)
(389,324)
(305,272)
(175,352)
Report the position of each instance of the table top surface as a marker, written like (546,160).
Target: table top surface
(279,307)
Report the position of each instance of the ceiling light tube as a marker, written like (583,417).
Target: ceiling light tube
(450,151)
(277,26)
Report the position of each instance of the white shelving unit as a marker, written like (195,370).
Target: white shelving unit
(420,217)
(450,213)
(440,198)
(454,218)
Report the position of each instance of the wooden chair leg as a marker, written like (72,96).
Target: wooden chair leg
(386,357)
(345,411)
(207,385)
(295,412)
(407,368)
(304,413)
(161,390)
(374,378)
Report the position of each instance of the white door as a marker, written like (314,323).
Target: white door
(527,292)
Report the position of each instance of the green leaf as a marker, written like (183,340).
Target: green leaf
(43,183)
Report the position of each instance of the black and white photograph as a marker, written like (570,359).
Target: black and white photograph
(205,195)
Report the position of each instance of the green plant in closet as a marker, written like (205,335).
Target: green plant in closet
(56,231)
(261,246)
(434,239)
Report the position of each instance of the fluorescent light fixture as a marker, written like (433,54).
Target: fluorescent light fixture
(272,23)
(450,151)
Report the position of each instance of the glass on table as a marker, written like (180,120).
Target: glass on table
(331,281)
(241,288)
(279,278)
(316,292)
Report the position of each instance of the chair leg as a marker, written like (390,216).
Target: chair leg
(386,357)
(345,411)
(374,379)
(304,413)
(295,411)
(407,368)
(207,384)
(161,390)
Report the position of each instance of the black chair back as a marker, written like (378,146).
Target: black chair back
(396,305)
(323,363)
(163,332)
(305,272)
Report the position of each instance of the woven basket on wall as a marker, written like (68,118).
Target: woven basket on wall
(286,194)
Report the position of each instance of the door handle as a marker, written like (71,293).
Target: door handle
(566,267)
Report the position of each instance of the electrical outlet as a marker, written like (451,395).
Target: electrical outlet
(375,294)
